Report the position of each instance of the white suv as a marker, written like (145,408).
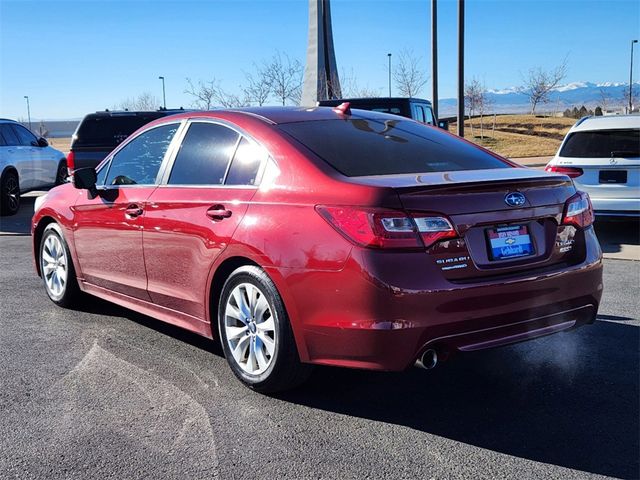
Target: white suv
(27,163)
(602,155)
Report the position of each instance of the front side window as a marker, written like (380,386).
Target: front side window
(419,113)
(204,155)
(25,137)
(602,144)
(139,161)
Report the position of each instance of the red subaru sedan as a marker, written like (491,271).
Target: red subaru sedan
(322,236)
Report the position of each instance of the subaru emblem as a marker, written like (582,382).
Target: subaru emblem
(515,199)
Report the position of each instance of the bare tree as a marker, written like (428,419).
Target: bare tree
(42,130)
(625,98)
(605,99)
(258,88)
(539,83)
(476,102)
(408,74)
(144,101)
(203,93)
(351,87)
(284,77)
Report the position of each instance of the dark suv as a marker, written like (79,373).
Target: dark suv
(99,133)
(415,108)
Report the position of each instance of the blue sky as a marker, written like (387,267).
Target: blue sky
(75,57)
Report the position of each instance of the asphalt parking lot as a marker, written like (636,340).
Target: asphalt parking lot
(103,392)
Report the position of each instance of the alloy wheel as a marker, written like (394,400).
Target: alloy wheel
(54,265)
(250,328)
(12,191)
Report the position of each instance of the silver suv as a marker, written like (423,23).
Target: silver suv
(27,163)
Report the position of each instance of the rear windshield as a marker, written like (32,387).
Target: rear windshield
(109,131)
(602,144)
(363,147)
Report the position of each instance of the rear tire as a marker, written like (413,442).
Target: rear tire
(9,193)
(56,267)
(256,335)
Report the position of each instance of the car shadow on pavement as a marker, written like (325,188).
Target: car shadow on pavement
(570,400)
(20,223)
(613,234)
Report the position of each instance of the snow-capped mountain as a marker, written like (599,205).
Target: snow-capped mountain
(511,100)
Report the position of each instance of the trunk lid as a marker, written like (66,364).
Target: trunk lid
(475,201)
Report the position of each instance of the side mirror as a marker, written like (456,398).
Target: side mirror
(42,142)
(85,179)
(443,124)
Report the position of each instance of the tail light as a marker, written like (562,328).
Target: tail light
(382,228)
(571,172)
(578,211)
(71,162)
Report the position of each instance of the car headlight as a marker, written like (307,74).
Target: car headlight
(38,203)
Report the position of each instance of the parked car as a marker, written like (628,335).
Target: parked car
(27,163)
(602,155)
(416,108)
(99,133)
(322,236)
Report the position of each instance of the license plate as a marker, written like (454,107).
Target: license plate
(509,242)
(613,176)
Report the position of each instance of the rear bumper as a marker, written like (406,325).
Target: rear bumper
(616,206)
(383,310)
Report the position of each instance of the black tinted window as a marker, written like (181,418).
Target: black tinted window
(9,137)
(246,163)
(139,161)
(109,131)
(603,144)
(204,155)
(25,137)
(419,113)
(360,147)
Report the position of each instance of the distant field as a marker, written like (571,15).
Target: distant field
(518,135)
(61,144)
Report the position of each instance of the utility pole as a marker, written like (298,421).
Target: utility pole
(164,96)
(434,56)
(631,78)
(389,55)
(461,68)
(28,110)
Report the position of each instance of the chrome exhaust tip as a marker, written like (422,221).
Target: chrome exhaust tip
(428,360)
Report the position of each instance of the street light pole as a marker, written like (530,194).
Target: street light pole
(631,78)
(389,55)
(28,110)
(164,96)
(460,115)
(434,56)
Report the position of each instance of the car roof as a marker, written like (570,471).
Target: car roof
(281,115)
(607,122)
(7,120)
(130,113)
(378,100)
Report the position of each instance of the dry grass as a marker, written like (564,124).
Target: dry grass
(61,144)
(518,135)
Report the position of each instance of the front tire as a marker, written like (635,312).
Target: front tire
(9,193)
(256,334)
(56,267)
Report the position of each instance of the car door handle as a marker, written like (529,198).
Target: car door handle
(133,211)
(218,212)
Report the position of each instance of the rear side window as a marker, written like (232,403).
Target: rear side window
(109,130)
(9,137)
(204,155)
(419,113)
(429,116)
(363,147)
(246,164)
(139,161)
(25,137)
(602,144)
